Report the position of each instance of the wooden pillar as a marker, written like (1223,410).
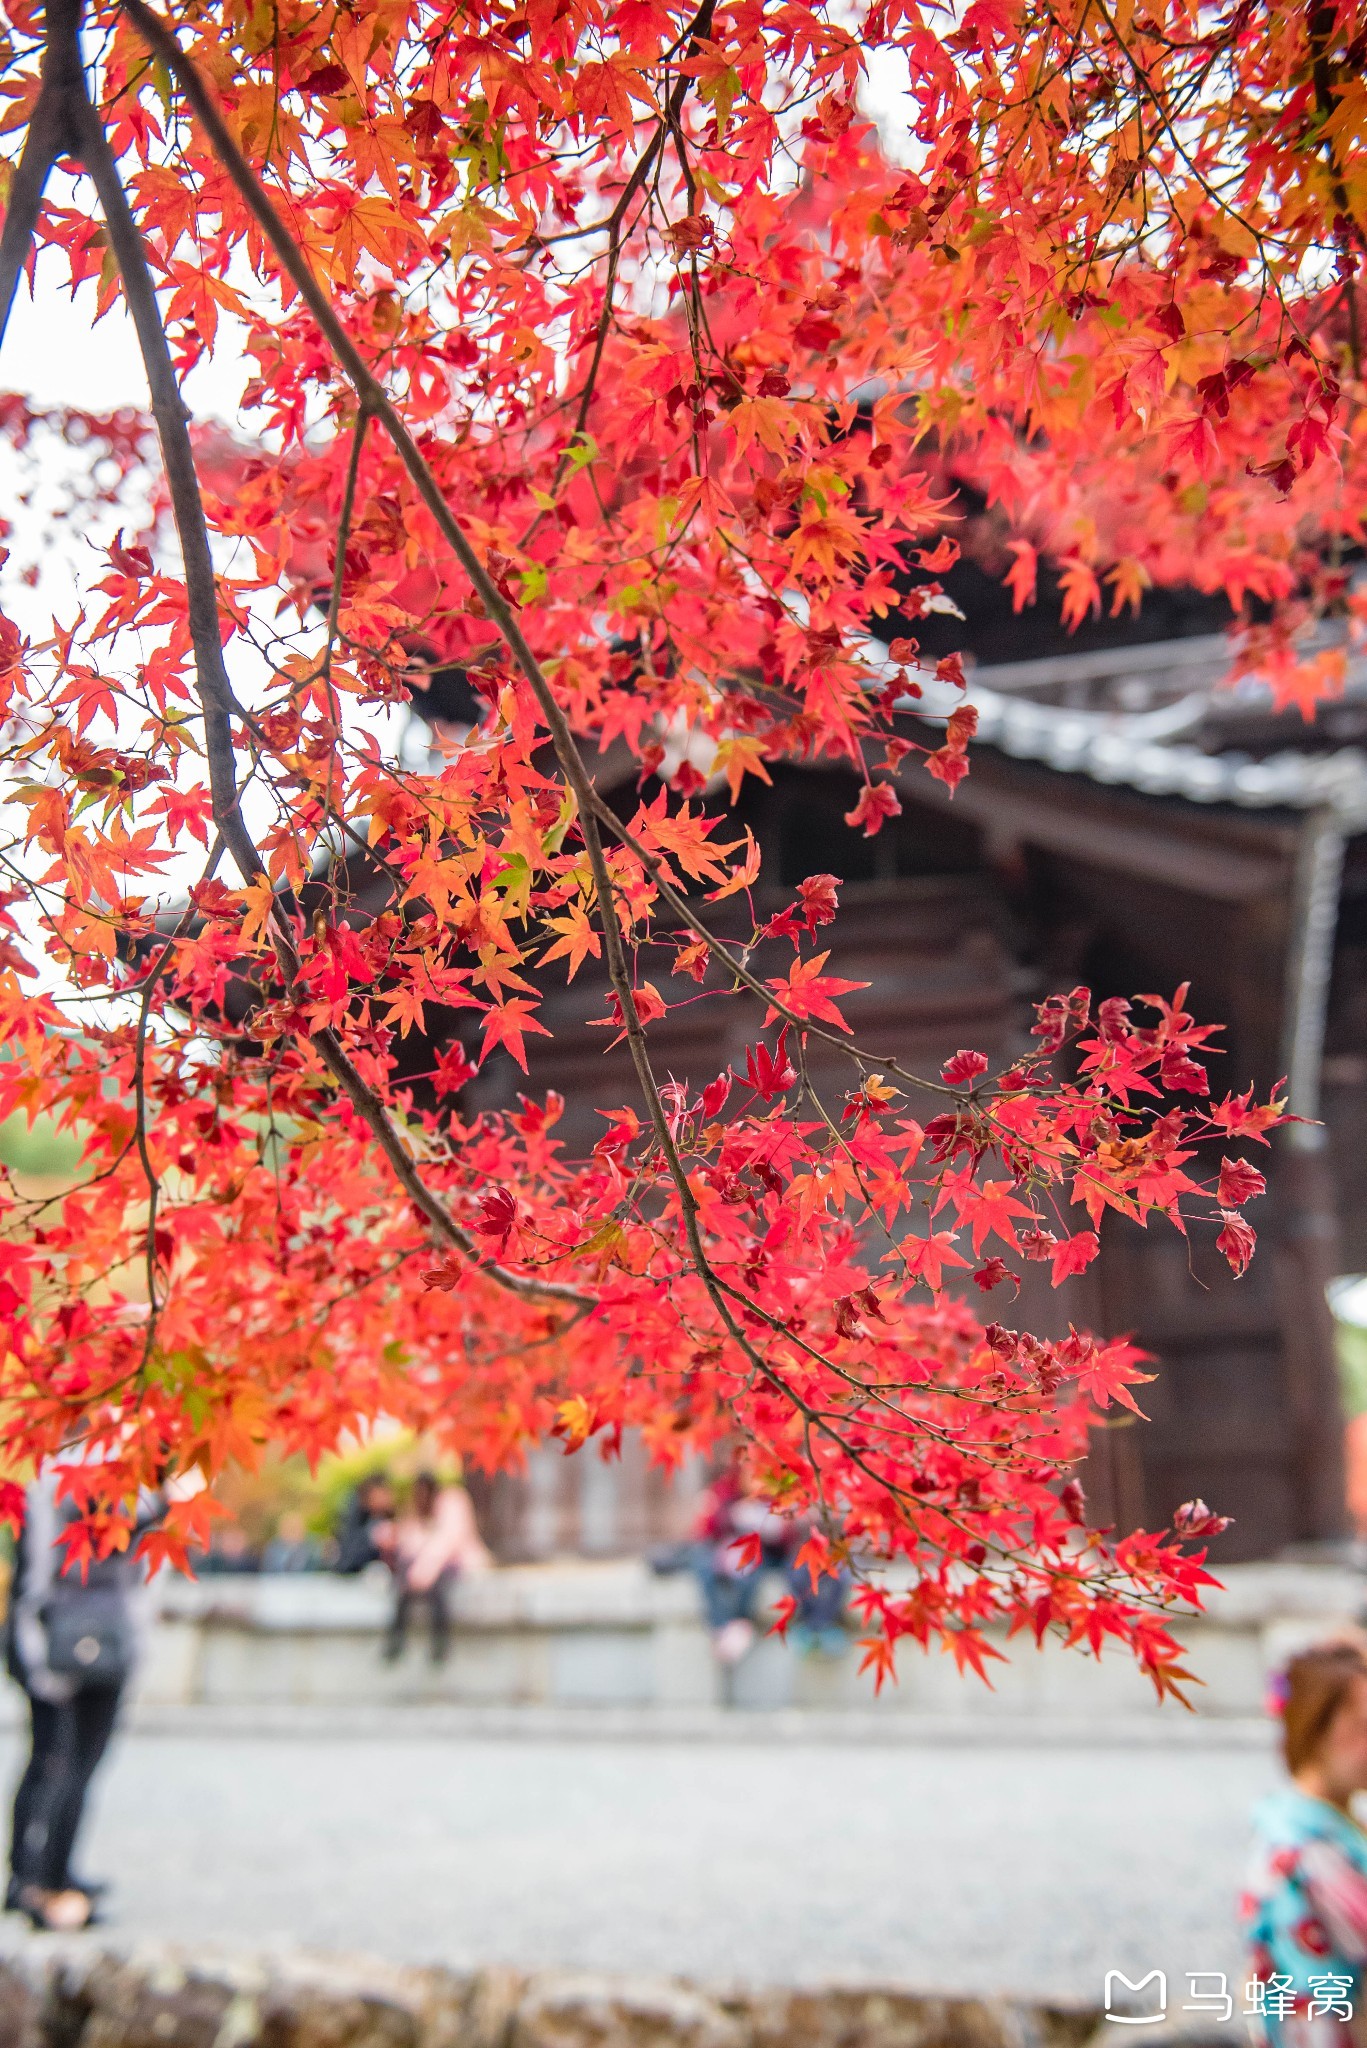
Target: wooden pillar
(1306,1260)
(1307,1220)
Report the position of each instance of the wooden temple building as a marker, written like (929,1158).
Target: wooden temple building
(1131,822)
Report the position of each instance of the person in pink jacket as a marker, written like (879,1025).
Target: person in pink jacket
(427,1547)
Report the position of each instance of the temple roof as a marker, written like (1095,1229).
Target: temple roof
(1163,718)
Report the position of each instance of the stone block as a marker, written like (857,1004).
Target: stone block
(686,1674)
(168,1675)
(157,2004)
(609,1634)
(763,1681)
(899,2019)
(314,2015)
(490,2007)
(607,2012)
(76,1994)
(602,1667)
(21,2002)
(315,2001)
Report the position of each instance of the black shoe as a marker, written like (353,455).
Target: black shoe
(94,1888)
(37,1904)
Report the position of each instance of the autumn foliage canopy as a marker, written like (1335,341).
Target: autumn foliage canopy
(617,356)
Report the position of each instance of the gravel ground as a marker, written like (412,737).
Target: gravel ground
(982,1869)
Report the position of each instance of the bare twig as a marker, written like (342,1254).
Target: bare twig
(343,537)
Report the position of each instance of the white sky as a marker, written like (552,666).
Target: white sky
(56,353)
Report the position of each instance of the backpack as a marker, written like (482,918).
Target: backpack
(89,1634)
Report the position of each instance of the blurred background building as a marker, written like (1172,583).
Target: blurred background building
(1131,822)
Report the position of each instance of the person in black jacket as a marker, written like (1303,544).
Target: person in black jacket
(71,1643)
(369,1509)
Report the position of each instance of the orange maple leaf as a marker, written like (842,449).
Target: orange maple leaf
(506,1024)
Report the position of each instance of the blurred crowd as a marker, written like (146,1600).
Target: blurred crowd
(422,1532)
(743,1556)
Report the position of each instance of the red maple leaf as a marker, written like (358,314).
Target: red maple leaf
(807,992)
(1236,1240)
(507,1024)
(1075,1254)
(878,802)
(1239,1183)
(991,1274)
(1241,1117)
(770,1073)
(948,765)
(926,1257)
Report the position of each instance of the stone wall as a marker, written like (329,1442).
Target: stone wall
(74,1994)
(609,1635)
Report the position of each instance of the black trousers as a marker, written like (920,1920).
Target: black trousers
(68,1742)
(437,1600)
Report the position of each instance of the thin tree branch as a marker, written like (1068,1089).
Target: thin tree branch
(343,537)
(150,1173)
(25,201)
(667,123)
(215,692)
(373,395)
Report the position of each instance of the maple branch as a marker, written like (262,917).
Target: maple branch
(1319,28)
(373,394)
(150,1173)
(25,202)
(173,436)
(667,123)
(376,400)
(1171,128)
(211,677)
(344,519)
(614,227)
